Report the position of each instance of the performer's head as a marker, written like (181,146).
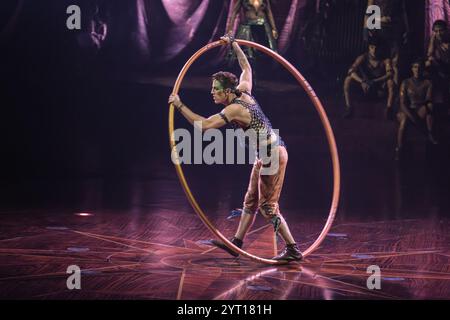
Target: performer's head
(224,87)
(440,29)
(373,47)
(417,68)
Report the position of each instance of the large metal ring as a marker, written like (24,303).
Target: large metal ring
(326,125)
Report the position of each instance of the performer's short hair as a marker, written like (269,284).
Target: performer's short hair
(418,60)
(382,49)
(440,23)
(226,79)
(373,41)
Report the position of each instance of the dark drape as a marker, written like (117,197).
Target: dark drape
(9,17)
(146,34)
(157,32)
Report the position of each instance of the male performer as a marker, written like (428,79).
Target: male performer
(243,111)
(416,104)
(438,62)
(374,74)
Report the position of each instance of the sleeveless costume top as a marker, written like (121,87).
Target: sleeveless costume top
(371,71)
(246,27)
(417,92)
(249,7)
(259,123)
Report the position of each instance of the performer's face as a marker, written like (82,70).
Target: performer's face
(439,31)
(373,50)
(417,70)
(219,94)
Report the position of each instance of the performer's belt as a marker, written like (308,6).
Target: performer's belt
(257,22)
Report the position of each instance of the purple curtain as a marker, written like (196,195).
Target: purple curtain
(435,10)
(291,24)
(163,30)
(11,20)
(143,33)
(177,28)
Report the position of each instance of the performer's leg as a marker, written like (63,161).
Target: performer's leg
(245,224)
(250,205)
(426,113)
(285,232)
(348,82)
(395,58)
(270,187)
(248,213)
(402,119)
(390,100)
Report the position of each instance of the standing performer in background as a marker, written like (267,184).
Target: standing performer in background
(243,111)
(99,29)
(256,24)
(394,30)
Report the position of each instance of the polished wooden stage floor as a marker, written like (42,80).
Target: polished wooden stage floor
(160,255)
(143,240)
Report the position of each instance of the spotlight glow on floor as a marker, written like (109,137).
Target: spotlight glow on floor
(83,214)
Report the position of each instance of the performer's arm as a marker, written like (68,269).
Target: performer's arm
(388,74)
(272,20)
(430,51)
(245,81)
(230,22)
(403,107)
(215,121)
(405,17)
(429,96)
(355,67)
(104,31)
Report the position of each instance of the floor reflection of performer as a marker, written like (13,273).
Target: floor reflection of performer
(257,23)
(243,111)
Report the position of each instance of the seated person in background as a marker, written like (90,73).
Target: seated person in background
(416,104)
(438,61)
(373,74)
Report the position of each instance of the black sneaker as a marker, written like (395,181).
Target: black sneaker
(219,244)
(290,253)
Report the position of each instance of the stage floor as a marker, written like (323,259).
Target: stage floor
(142,239)
(158,254)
